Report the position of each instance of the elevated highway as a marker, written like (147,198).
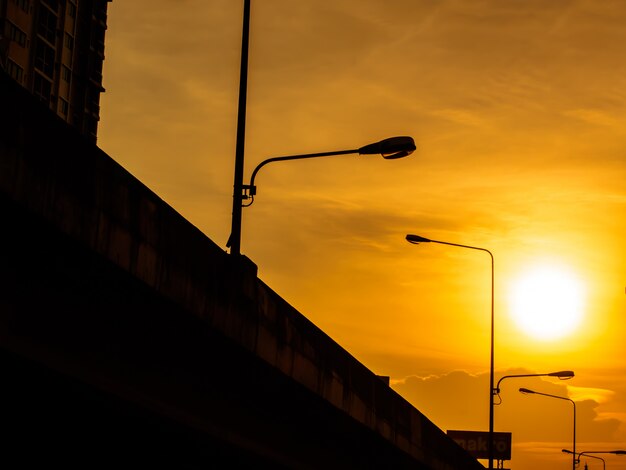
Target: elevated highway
(130,339)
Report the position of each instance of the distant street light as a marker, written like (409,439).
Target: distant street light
(584,453)
(562,374)
(416,240)
(588,453)
(389,149)
(528,391)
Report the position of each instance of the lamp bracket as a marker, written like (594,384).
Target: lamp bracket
(248,191)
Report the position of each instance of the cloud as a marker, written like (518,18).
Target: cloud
(459,400)
(598,395)
(596,117)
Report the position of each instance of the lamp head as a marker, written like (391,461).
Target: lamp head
(526,390)
(416,239)
(562,374)
(394,147)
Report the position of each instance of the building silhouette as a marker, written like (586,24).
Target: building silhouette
(55,49)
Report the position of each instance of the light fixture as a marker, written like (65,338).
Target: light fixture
(390,149)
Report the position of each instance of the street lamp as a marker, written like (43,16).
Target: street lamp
(528,391)
(397,147)
(562,375)
(390,149)
(580,454)
(416,240)
(588,452)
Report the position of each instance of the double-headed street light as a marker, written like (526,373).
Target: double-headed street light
(389,149)
(416,239)
(528,391)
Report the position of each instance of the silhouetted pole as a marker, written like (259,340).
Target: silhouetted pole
(235,233)
(528,391)
(416,239)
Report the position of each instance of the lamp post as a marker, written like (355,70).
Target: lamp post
(395,147)
(588,453)
(235,242)
(585,454)
(416,239)
(390,149)
(528,391)
(562,375)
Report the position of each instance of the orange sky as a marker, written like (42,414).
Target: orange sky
(519,113)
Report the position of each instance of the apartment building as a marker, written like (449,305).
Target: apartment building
(55,49)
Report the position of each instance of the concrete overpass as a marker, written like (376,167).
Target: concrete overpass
(128,338)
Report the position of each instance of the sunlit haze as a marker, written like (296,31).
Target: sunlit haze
(518,110)
(547,302)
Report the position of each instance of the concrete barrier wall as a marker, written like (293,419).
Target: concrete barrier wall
(49,170)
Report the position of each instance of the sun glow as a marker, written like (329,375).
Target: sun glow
(547,302)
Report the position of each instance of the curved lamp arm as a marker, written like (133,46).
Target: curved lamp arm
(562,374)
(389,149)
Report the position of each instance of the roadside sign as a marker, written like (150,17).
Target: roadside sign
(476,443)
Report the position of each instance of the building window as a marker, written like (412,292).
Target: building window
(69,41)
(15,71)
(63,106)
(15,34)
(66,74)
(42,87)
(71,10)
(44,58)
(47,25)
(53,4)
(92,126)
(23,4)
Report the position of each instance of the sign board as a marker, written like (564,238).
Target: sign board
(476,443)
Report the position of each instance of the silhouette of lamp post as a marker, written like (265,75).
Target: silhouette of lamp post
(580,454)
(588,453)
(396,147)
(416,240)
(389,149)
(528,391)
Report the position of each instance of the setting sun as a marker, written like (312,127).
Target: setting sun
(547,302)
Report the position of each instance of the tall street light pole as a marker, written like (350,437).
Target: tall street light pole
(235,232)
(395,147)
(528,391)
(416,239)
